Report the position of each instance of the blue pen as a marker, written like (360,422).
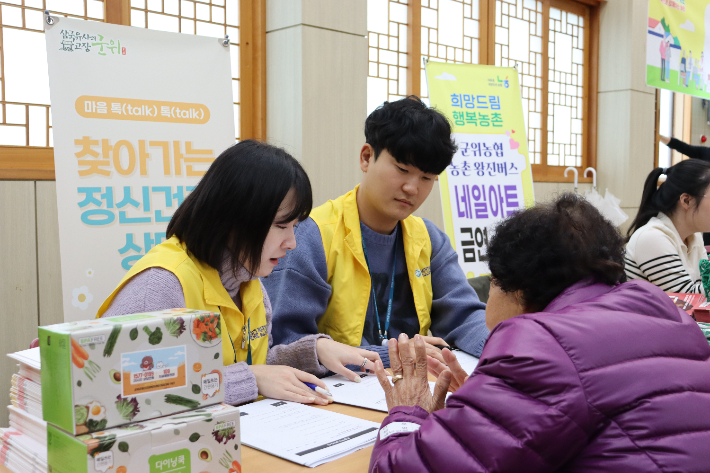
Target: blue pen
(318,389)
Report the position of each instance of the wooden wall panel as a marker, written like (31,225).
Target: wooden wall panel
(48,261)
(18,278)
(26,162)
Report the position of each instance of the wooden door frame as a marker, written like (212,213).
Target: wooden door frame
(486,55)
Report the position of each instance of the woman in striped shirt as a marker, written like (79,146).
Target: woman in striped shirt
(666,244)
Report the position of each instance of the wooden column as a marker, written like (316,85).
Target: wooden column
(483,28)
(252,69)
(593,86)
(414,48)
(117,12)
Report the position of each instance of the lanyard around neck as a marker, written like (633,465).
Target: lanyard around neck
(383,338)
(246,338)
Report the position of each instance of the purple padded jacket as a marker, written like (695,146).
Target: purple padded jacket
(612,379)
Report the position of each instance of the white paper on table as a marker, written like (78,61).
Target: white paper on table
(467,362)
(302,434)
(368,393)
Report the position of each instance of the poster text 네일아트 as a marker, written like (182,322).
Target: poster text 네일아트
(489,177)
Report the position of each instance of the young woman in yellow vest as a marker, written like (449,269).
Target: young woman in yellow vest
(231,230)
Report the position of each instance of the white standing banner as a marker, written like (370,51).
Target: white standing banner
(137,118)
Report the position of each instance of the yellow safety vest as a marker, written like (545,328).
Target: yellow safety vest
(348,275)
(203,290)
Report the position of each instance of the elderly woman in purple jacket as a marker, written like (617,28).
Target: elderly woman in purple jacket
(582,372)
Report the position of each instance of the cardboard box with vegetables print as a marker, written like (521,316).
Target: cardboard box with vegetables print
(102,373)
(200,441)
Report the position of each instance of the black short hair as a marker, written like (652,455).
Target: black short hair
(234,205)
(543,250)
(412,133)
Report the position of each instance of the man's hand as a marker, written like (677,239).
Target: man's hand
(431,350)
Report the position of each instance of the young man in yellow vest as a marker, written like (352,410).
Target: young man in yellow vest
(365,269)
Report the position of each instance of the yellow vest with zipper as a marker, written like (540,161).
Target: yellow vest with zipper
(203,290)
(348,274)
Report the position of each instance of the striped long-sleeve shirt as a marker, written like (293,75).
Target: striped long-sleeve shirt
(656,254)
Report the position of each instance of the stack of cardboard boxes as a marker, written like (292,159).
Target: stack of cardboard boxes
(138,393)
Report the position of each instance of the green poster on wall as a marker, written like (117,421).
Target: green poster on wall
(678,36)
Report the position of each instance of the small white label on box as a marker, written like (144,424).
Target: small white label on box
(103,461)
(210,384)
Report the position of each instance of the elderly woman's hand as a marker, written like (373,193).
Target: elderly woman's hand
(411,385)
(458,375)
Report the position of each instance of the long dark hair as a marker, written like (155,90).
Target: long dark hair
(691,177)
(234,205)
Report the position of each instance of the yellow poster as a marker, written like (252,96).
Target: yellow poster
(489,177)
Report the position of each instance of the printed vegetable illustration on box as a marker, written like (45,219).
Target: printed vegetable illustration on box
(180,443)
(206,329)
(228,462)
(104,373)
(80,358)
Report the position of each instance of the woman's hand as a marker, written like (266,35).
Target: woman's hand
(334,356)
(458,375)
(412,389)
(286,383)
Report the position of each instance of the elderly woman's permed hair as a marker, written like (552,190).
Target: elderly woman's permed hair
(543,250)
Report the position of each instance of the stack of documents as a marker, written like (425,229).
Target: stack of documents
(32,426)
(23,446)
(26,395)
(29,364)
(302,434)
(26,388)
(21,453)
